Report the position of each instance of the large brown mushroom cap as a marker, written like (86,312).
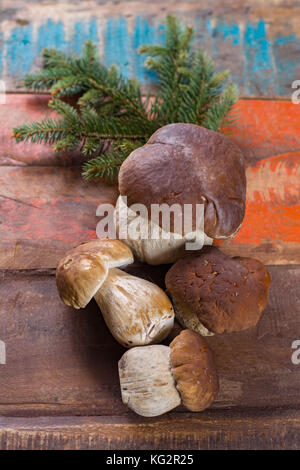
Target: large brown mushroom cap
(194,370)
(188,164)
(82,271)
(222,293)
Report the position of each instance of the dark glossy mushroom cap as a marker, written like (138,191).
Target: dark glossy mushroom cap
(189,164)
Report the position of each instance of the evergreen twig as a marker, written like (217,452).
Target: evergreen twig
(109,117)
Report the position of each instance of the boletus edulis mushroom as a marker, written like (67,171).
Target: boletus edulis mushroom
(183,164)
(155,379)
(215,293)
(136,311)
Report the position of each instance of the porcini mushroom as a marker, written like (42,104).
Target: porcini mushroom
(184,164)
(136,311)
(214,293)
(156,379)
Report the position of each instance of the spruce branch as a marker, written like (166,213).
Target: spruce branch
(109,117)
(106,166)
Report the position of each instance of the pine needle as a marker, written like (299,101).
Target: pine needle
(110,117)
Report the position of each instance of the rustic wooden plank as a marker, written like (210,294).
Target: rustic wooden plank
(214,429)
(21,108)
(46,210)
(254,131)
(266,128)
(271,228)
(257,40)
(62,361)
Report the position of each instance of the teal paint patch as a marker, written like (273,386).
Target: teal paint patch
(281,40)
(226,42)
(228,32)
(1,53)
(20,51)
(144,34)
(258,65)
(83,32)
(287,62)
(257,46)
(259,73)
(51,35)
(117,45)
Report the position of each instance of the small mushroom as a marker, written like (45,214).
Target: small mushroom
(214,293)
(184,164)
(156,379)
(136,311)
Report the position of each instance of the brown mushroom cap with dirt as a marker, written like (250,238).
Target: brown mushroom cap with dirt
(215,293)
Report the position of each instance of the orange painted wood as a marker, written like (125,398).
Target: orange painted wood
(271,228)
(48,210)
(59,388)
(264,128)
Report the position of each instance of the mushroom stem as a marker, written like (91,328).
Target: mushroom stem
(147,383)
(137,312)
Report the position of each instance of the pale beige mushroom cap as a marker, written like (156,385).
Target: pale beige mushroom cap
(147,383)
(82,271)
(137,312)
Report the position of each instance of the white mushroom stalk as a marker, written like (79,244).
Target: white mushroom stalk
(149,242)
(137,312)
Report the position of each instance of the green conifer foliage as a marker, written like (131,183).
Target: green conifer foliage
(109,117)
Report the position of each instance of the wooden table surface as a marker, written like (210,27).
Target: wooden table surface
(59,387)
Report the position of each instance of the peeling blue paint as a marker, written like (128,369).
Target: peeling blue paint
(83,31)
(51,35)
(229,32)
(286,57)
(281,40)
(259,73)
(143,34)
(20,51)
(260,65)
(117,45)
(257,46)
(1,53)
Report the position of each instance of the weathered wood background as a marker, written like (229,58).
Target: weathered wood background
(59,387)
(258,40)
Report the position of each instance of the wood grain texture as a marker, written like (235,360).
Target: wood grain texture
(271,228)
(62,361)
(258,40)
(49,208)
(45,211)
(59,387)
(214,429)
(254,131)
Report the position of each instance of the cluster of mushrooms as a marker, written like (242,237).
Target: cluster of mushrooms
(208,291)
